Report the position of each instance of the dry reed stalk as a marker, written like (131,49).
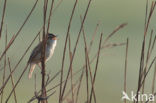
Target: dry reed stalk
(110,45)
(39,38)
(146,13)
(149,46)
(147,59)
(15,69)
(6,81)
(50,80)
(40,98)
(104,47)
(87,84)
(82,68)
(52,10)
(64,51)
(142,75)
(142,53)
(50,15)
(152,82)
(81,76)
(70,91)
(75,47)
(16,35)
(35,86)
(37,93)
(114,31)
(71,72)
(91,77)
(125,71)
(43,71)
(91,42)
(79,85)
(78,71)
(141,68)
(59,3)
(149,68)
(141,84)
(3,15)
(4,70)
(149,17)
(95,72)
(12,81)
(93,36)
(87,62)
(16,83)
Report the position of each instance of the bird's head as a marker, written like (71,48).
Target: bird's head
(52,36)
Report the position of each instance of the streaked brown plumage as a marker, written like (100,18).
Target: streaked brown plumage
(35,57)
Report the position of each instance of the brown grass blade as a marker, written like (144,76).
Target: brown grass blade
(64,51)
(125,71)
(3,15)
(76,46)
(90,100)
(13,89)
(4,70)
(93,36)
(50,15)
(71,72)
(147,59)
(114,31)
(18,63)
(43,71)
(15,36)
(12,81)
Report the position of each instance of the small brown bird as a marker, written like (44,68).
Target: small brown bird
(35,57)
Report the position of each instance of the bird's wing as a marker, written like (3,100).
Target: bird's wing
(35,52)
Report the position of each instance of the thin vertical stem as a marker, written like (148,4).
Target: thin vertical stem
(66,80)
(87,75)
(4,70)
(87,57)
(125,71)
(62,67)
(12,81)
(93,36)
(16,83)
(6,81)
(44,38)
(70,56)
(50,15)
(147,59)
(16,35)
(3,15)
(96,68)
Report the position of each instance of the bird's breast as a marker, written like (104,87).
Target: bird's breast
(50,50)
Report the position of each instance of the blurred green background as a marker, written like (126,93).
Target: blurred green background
(111,13)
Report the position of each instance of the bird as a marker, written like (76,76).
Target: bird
(35,57)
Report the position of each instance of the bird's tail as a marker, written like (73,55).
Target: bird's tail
(32,67)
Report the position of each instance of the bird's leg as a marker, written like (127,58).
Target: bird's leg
(39,65)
